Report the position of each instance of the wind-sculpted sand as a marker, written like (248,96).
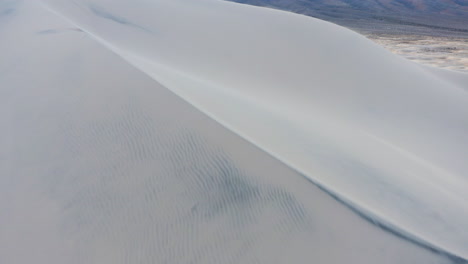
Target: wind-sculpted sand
(201,131)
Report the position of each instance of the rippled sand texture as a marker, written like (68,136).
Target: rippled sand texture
(443,52)
(103,163)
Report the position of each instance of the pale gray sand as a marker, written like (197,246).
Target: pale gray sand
(100,163)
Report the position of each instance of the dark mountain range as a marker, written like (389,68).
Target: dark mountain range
(423,16)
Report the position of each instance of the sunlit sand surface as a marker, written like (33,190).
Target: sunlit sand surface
(209,132)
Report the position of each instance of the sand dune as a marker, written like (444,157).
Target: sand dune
(183,131)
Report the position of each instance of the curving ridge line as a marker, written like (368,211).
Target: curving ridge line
(364,213)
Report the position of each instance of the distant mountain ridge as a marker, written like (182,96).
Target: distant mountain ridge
(447,7)
(435,14)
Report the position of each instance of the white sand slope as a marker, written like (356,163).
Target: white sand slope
(201,131)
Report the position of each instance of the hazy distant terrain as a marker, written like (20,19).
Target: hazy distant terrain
(432,32)
(445,17)
(443,52)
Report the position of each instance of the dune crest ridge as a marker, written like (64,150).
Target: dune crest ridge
(202,131)
(379,131)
